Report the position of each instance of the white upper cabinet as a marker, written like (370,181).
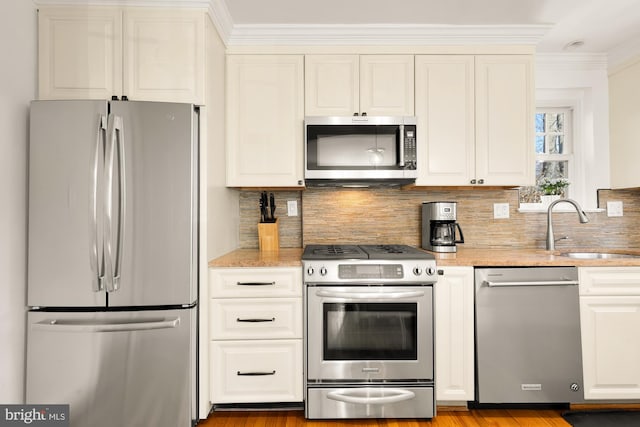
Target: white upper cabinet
(445,109)
(79,52)
(145,54)
(265,114)
(344,85)
(475,120)
(624,110)
(505,119)
(164,55)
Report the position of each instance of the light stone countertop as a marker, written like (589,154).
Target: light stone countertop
(474,257)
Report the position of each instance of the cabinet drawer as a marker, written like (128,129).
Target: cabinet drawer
(255,282)
(256,371)
(609,280)
(250,318)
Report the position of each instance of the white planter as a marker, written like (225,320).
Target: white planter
(548,199)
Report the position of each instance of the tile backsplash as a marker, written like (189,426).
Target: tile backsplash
(391,215)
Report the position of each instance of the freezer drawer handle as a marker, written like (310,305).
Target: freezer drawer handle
(273,319)
(370,295)
(532,283)
(256,283)
(53,325)
(255,374)
(371,396)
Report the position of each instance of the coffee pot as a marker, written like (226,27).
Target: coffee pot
(439,227)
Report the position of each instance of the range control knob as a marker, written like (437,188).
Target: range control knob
(430,271)
(310,271)
(323,271)
(417,271)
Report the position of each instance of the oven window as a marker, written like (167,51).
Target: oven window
(370,331)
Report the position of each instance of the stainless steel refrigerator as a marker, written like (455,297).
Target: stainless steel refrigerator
(112,262)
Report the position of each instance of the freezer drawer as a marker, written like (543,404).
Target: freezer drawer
(115,368)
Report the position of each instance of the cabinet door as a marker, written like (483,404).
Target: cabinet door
(610,347)
(454,342)
(387,85)
(164,55)
(445,110)
(79,52)
(331,85)
(504,119)
(265,114)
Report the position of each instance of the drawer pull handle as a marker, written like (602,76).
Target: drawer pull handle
(256,283)
(255,374)
(273,319)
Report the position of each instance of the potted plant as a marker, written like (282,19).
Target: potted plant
(552,189)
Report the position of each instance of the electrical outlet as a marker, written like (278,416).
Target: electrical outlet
(292,208)
(500,210)
(614,208)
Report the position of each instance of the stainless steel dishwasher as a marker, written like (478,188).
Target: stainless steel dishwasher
(528,347)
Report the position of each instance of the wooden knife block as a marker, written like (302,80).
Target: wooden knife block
(268,236)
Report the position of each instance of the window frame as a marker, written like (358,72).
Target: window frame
(574,100)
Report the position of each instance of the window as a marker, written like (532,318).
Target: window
(554,151)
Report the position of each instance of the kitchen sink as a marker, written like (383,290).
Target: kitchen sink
(598,255)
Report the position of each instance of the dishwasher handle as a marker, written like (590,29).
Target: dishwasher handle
(531,283)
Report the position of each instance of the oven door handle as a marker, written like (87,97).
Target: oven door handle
(369,295)
(371,395)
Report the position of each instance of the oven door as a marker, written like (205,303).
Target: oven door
(369,333)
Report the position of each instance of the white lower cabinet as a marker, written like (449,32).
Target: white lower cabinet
(609,322)
(255,327)
(256,371)
(454,334)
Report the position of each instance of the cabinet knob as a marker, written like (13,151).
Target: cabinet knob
(364,113)
(300,182)
(481,181)
(473,181)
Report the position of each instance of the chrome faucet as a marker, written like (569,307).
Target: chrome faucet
(551,243)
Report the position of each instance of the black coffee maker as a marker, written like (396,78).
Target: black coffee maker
(439,227)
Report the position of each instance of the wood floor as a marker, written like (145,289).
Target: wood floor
(472,418)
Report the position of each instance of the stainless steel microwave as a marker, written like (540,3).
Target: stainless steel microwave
(373,150)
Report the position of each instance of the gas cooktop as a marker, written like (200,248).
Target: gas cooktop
(373,252)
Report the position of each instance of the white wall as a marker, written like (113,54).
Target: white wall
(18,36)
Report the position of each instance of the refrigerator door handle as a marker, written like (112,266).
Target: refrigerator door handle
(112,251)
(54,325)
(97,253)
(119,133)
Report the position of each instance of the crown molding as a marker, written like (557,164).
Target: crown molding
(384,34)
(571,61)
(202,4)
(336,35)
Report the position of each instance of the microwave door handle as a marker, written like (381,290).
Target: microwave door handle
(401,148)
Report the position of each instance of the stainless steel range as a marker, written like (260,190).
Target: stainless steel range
(369,331)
